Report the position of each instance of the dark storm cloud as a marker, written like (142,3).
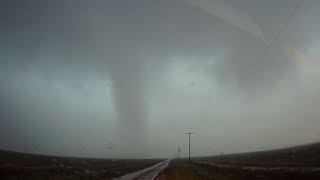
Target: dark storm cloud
(73,67)
(117,37)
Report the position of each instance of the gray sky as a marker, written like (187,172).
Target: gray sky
(121,78)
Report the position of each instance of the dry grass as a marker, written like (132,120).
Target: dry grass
(29,166)
(183,170)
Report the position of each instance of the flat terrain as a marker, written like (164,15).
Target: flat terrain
(15,165)
(299,156)
(295,163)
(183,170)
(300,162)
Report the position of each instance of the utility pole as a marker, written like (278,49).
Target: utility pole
(157,152)
(179,150)
(189,134)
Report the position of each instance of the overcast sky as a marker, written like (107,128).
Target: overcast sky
(123,78)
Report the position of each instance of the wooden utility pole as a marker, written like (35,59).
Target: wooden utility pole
(189,134)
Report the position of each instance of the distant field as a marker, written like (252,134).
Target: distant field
(295,163)
(15,165)
(299,156)
(184,170)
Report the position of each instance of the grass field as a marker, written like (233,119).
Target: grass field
(184,170)
(283,164)
(15,165)
(299,156)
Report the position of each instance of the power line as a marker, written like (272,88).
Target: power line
(284,26)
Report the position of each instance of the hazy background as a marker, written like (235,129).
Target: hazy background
(122,78)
